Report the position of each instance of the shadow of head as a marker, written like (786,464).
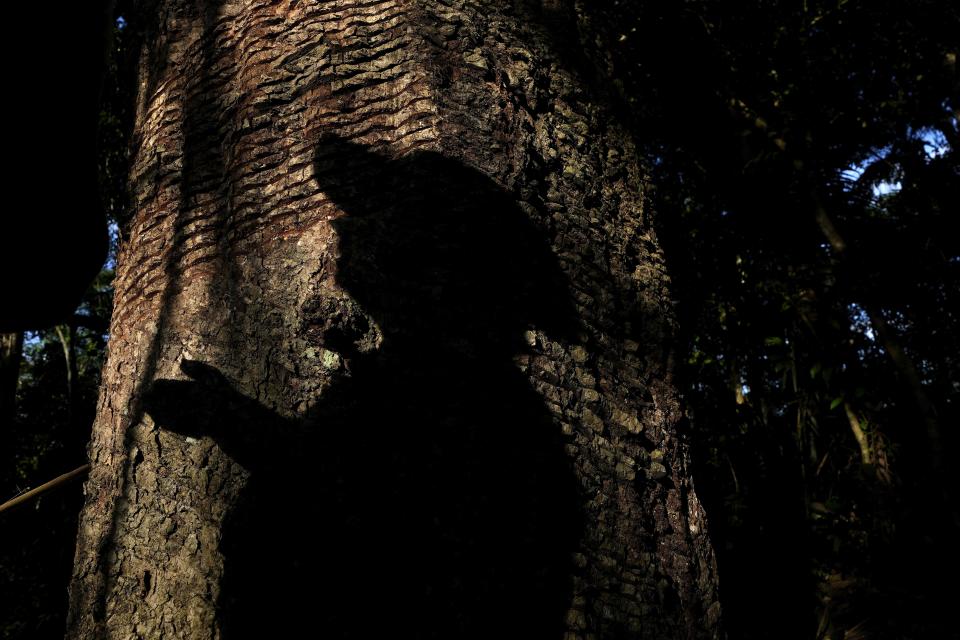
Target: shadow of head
(437,251)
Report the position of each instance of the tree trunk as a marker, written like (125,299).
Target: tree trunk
(390,350)
(11,352)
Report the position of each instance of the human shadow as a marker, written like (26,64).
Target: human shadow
(428,493)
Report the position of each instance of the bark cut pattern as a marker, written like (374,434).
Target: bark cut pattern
(391,343)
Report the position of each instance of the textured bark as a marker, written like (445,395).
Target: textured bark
(390,350)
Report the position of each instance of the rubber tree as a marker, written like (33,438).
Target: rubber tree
(391,341)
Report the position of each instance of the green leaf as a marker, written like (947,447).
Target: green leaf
(835,403)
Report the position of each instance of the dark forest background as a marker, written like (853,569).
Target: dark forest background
(803,163)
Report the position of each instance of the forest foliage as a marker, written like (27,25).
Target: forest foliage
(805,171)
(803,162)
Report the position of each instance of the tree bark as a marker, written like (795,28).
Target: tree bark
(390,349)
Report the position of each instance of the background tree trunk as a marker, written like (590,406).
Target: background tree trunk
(11,350)
(391,340)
